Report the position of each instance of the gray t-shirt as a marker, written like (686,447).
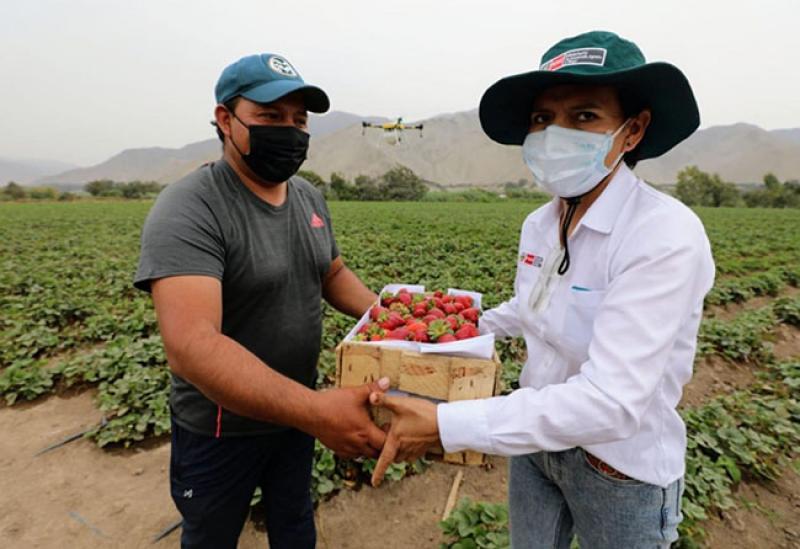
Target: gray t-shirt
(271,262)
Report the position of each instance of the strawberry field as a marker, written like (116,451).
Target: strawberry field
(70,320)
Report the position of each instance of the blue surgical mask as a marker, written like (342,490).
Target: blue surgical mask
(566,162)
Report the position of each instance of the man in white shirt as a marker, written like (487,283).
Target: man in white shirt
(608,296)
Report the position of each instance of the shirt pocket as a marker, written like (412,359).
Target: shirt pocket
(579,315)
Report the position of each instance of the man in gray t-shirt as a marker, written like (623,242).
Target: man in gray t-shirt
(238,256)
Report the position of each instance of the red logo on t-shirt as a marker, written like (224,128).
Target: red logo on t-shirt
(317,222)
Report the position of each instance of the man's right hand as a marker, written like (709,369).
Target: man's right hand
(342,421)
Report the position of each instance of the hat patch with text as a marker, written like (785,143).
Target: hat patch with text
(281,66)
(580,56)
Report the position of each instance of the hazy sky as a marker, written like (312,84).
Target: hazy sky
(81,80)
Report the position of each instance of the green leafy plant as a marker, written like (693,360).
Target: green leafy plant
(474,525)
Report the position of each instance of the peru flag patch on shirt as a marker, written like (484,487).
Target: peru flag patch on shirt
(531,259)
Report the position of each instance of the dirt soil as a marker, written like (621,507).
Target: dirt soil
(714,376)
(767,516)
(82,496)
(77,495)
(407,513)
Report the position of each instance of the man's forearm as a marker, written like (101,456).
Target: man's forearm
(237,380)
(347,294)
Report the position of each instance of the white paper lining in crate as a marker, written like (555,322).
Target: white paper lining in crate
(481,346)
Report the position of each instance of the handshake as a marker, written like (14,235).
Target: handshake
(345,426)
(419,320)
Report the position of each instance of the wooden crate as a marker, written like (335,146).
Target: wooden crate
(434,376)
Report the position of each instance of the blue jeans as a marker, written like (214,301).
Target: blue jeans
(555,495)
(213,479)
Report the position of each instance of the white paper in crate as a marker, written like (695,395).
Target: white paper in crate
(476,347)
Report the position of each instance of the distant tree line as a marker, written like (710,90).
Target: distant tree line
(101,188)
(130,189)
(698,188)
(15,191)
(694,187)
(399,183)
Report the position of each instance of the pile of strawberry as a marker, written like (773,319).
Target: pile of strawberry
(430,317)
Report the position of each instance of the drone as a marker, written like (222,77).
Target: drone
(392,131)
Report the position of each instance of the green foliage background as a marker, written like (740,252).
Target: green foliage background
(69,317)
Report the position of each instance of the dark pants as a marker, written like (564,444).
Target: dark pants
(213,480)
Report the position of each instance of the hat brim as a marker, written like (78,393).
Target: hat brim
(315,99)
(506,106)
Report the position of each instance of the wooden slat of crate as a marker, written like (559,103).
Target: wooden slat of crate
(440,377)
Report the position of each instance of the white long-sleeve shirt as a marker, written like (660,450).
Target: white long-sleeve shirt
(610,352)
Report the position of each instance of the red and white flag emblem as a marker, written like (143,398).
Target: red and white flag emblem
(317,222)
(531,259)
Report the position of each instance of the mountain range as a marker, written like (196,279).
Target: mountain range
(29,170)
(453,151)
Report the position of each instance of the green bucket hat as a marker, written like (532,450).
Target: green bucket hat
(596,57)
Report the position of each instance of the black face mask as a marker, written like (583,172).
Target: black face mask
(276,152)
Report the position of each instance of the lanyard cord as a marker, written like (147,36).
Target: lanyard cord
(572,205)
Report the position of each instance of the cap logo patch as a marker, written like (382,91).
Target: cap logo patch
(580,56)
(281,66)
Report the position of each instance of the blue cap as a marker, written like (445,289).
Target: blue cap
(265,78)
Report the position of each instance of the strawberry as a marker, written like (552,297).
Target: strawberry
(447,299)
(439,328)
(387,298)
(449,308)
(437,302)
(374,332)
(420,336)
(398,333)
(438,313)
(415,325)
(376,311)
(467,331)
(446,338)
(465,300)
(428,319)
(420,310)
(404,298)
(471,314)
(373,328)
(454,322)
(394,320)
(438,293)
(459,306)
(397,306)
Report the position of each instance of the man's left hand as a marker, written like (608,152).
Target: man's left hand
(414,430)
